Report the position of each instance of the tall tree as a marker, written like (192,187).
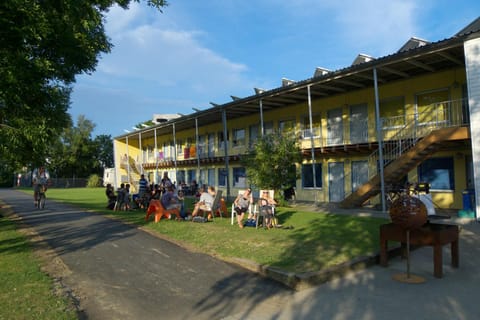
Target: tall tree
(104,150)
(270,164)
(44,44)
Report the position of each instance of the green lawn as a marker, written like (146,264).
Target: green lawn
(317,240)
(25,291)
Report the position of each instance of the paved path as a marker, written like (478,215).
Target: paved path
(129,274)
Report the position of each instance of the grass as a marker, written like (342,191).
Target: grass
(317,240)
(25,291)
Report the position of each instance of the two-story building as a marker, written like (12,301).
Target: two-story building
(412,115)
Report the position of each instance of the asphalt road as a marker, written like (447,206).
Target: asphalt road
(122,272)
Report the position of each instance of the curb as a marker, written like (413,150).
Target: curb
(301,281)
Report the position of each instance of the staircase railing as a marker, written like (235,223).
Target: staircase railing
(401,133)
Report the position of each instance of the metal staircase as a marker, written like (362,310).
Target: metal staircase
(409,146)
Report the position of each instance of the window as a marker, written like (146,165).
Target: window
(253,132)
(179,148)
(220,140)
(268,127)
(392,111)
(307,175)
(201,151)
(211,177)
(222,177)
(429,109)
(239,177)
(438,172)
(286,125)
(238,137)
(315,132)
(180,176)
(191,175)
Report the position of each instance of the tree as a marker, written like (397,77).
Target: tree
(74,153)
(43,46)
(271,162)
(104,150)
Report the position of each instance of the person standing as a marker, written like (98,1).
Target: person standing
(142,186)
(165,182)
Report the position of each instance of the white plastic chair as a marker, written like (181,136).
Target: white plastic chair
(251,208)
(258,209)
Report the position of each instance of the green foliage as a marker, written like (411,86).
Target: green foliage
(271,164)
(104,150)
(44,45)
(75,153)
(94,181)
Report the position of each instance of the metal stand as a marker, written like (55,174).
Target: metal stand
(407,277)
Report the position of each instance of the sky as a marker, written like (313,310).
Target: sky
(196,52)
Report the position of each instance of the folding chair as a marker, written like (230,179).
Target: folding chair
(120,201)
(260,213)
(215,206)
(251,208)
(156,207)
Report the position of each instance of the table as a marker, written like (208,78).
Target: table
(430,234)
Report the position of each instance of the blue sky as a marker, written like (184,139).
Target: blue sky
(197,52)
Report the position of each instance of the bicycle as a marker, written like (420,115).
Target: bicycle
(41,197)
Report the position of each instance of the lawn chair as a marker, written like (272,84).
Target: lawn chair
(156,207)
(215,206)
(260,213)
(120,203)
(251,208)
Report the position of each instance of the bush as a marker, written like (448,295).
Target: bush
(94,181)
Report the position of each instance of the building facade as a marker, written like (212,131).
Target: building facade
(409,116)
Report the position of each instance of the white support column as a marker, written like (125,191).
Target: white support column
(311,142)
(379,139)
(262,129)
(472,65)
(225,148)
(155,152)
(174,150)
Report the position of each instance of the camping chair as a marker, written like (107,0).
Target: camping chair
(120,201)
(215,206)
(250,208)
(258,208)
(156,207)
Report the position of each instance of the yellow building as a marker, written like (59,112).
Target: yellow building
(416,111)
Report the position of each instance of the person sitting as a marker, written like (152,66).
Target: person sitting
(171,201)
(241,205)
(111,198)
(156,192)
(267,204)
(205,202)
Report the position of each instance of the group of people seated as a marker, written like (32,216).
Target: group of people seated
(170,198)
(266,205)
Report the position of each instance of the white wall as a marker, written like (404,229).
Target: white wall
(472,61)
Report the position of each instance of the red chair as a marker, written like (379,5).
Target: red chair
(155,207)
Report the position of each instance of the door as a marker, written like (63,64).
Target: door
(359,174)
(334,127)
(336,180)
(211,145)
(358,123)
